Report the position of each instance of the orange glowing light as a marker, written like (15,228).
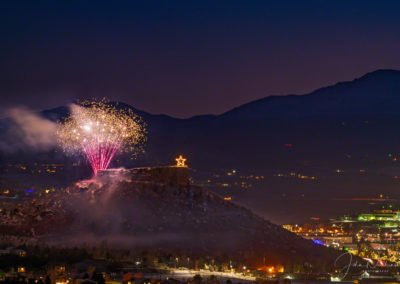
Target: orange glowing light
(180,161)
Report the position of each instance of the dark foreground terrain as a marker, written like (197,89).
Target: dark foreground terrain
(127,209)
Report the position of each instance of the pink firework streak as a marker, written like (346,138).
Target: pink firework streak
(100,155)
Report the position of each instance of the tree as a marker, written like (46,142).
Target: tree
(98,277)
(197,279)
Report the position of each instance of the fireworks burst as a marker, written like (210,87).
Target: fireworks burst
(99,130)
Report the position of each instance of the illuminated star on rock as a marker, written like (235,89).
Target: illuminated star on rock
(180,161)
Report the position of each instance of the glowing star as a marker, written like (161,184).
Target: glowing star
(180,161)
(99,130)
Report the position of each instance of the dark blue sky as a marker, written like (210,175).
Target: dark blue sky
(188,57)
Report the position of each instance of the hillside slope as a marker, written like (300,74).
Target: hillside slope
(128,212)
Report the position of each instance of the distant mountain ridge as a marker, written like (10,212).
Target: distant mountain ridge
(344,96)
(275,120)
(389,79)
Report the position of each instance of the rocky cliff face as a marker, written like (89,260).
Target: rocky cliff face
(127,208)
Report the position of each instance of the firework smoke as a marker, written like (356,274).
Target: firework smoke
(27,130)
(99,130)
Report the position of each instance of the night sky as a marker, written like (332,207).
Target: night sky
(185,58)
